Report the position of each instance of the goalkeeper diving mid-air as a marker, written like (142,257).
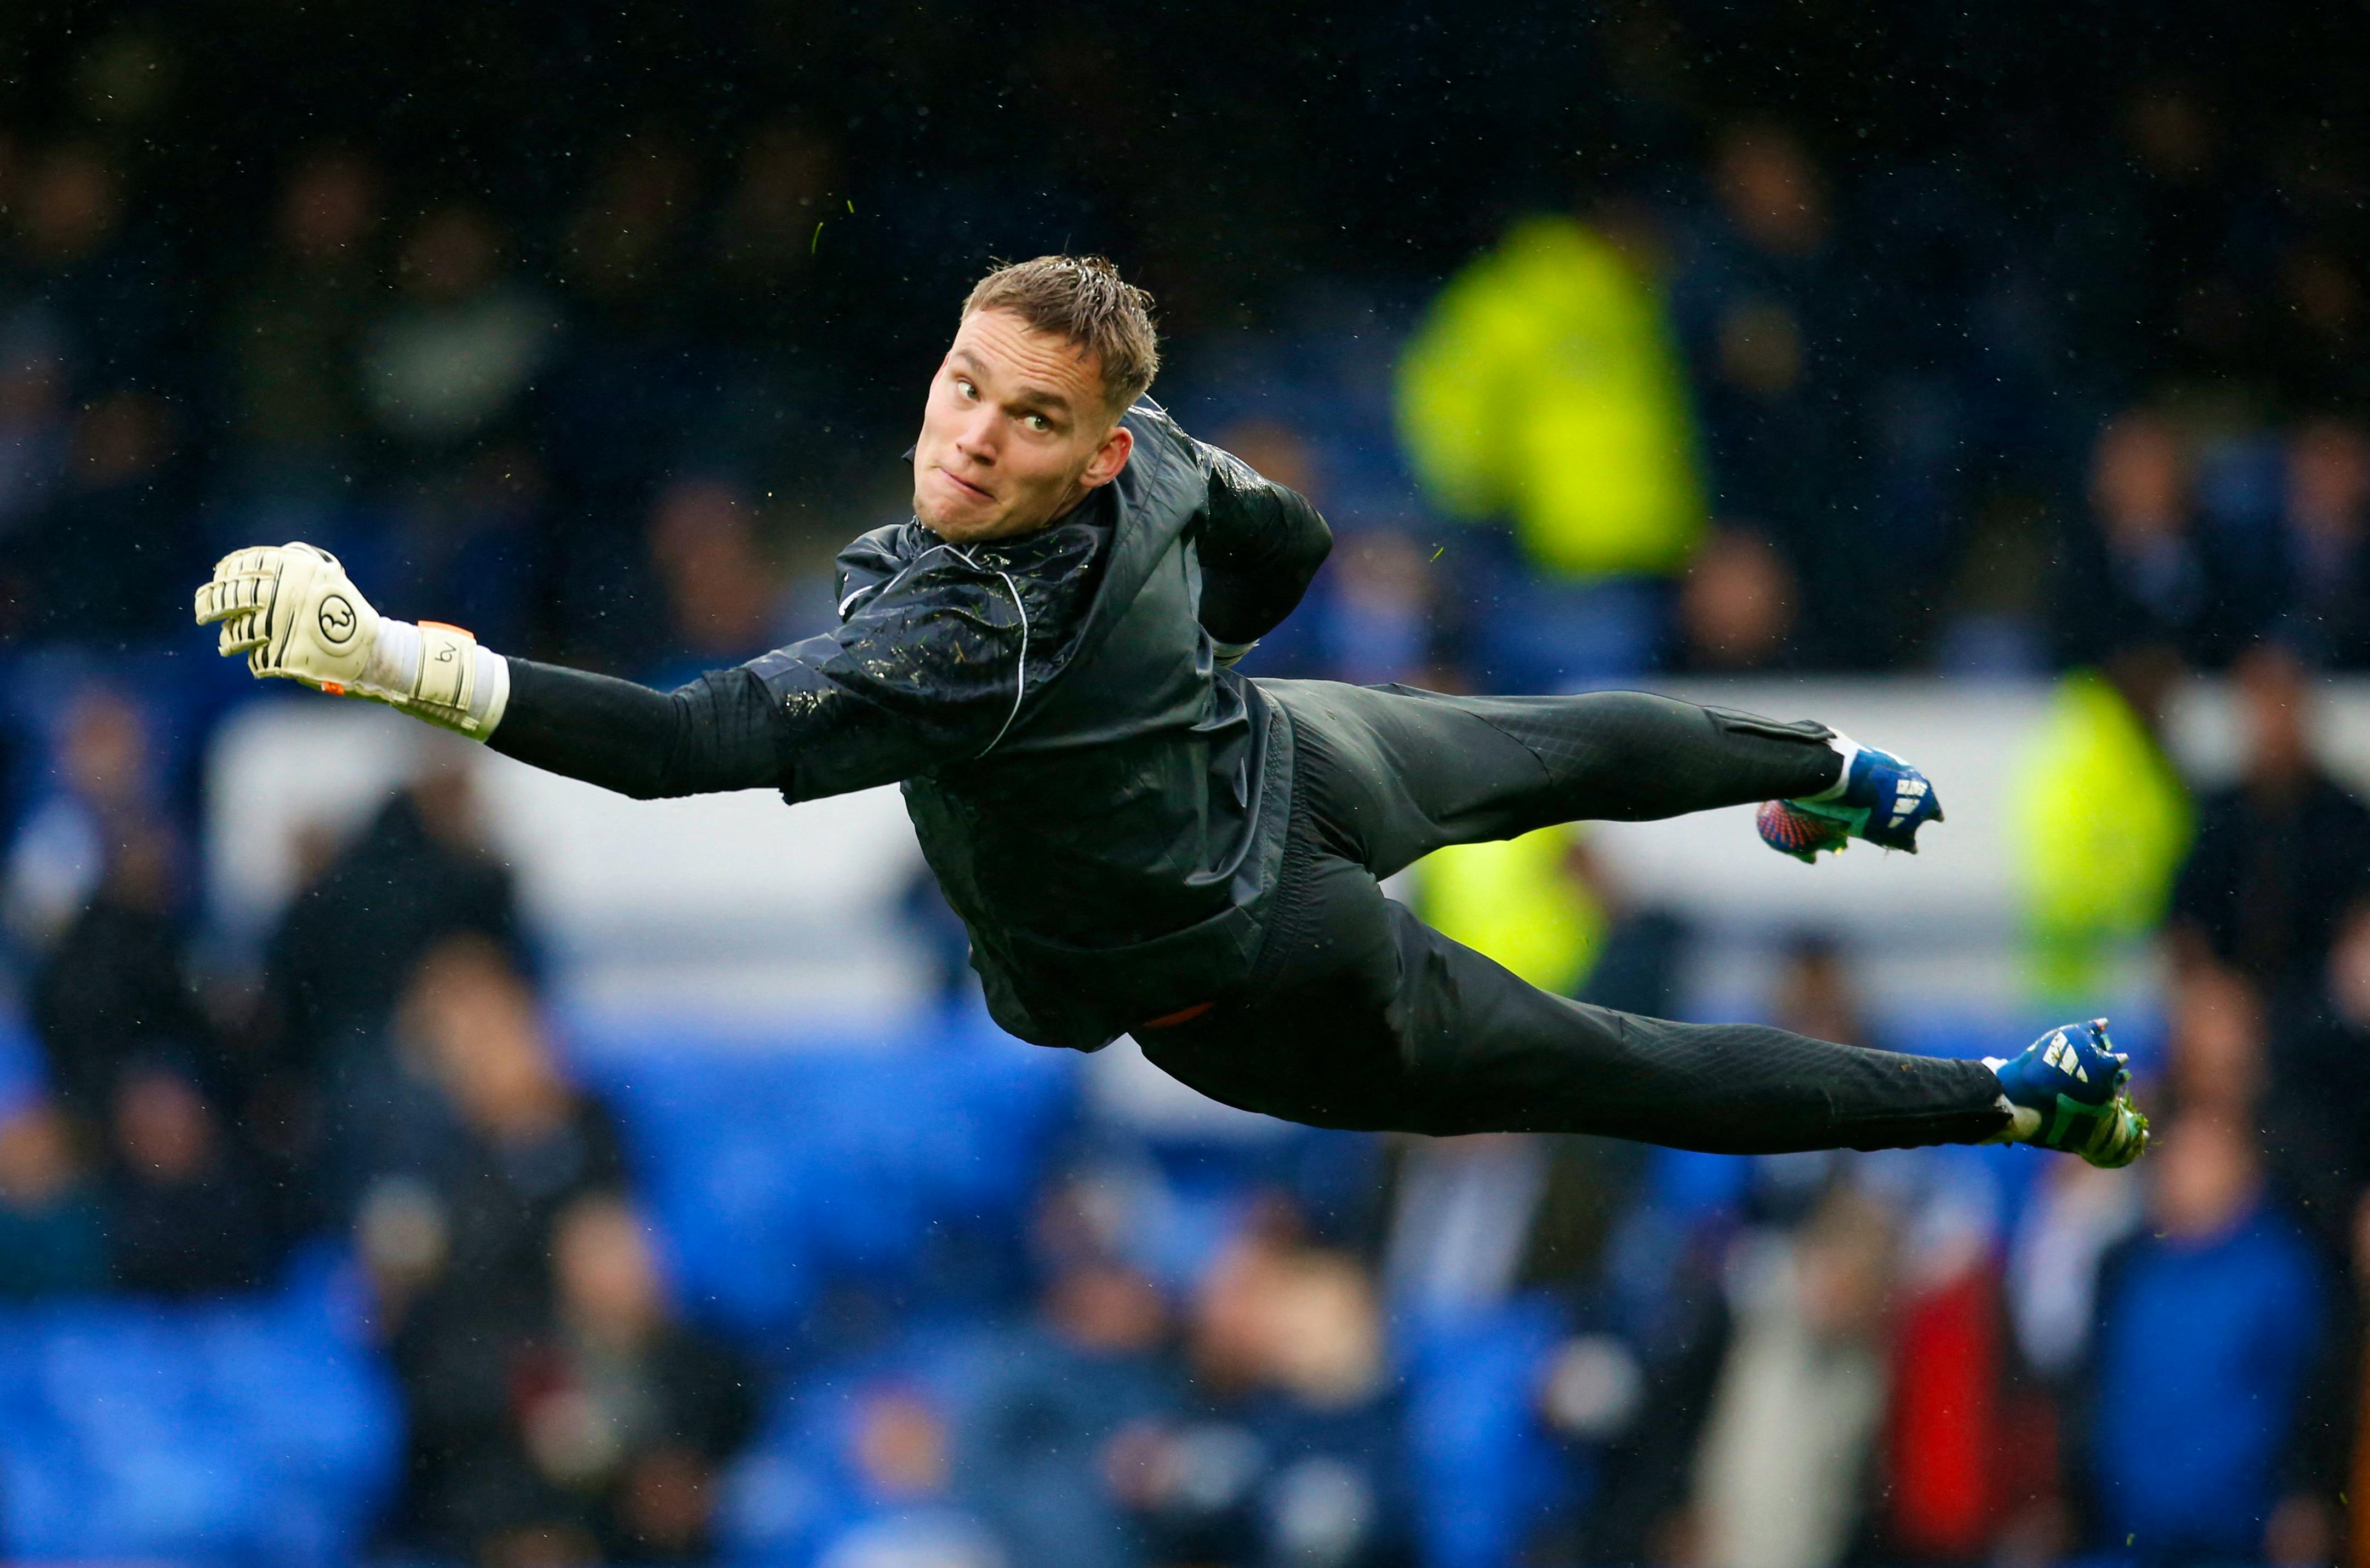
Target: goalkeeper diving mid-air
(1143,841)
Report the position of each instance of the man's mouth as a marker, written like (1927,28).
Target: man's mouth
(966,485)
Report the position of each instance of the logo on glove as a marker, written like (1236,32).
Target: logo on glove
(337,619)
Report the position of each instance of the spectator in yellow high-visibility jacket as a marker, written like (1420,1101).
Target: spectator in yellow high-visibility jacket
(2101,822)
(1518,901)
(1543,388)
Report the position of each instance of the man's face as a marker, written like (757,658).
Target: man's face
(1016,431)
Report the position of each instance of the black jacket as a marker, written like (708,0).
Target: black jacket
(1102,805)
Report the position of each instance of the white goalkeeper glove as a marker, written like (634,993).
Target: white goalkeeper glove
(297,616)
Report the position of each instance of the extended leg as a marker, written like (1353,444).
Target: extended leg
(1485,1051)
(1392,773)
(1368,1018)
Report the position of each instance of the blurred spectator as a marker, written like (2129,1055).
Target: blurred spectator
(2317,1112)
(2216,1046)
(1462,1211)
(116,985)
(1996,621)
(1637,967)
(1278,450)
(1375,616)
(2078,1214)
(1475,1220)
(905,1514)
(1518,901)
(52,1218)
(2319,302)
(2228,1069)
(1783,1477)
(723,594)
(2325,593)
(109,301)
(1969,1459)
(1039,1426)
(627,1411)
(124,502)
(624,254)
(767,236)
(2140,574)
(449,365)
(467,546)
(474,1154)
(105,774)
(2279,856)
(1769,307)
(1736,605)
(1293,1455)
(421,871)
(33,444)
(1370,617)
(2146,227)
(856,1472)
(2217,1315)
(487,1122)
(2099,820)
(1814,994)
(186,1216)
(295,336)
(96,889)
(1544,388)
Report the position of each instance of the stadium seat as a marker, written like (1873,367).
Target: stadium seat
(260,1431)
(777,1173)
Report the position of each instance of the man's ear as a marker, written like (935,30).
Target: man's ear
(1109,458)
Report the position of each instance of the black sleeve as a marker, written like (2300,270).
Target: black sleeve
(1261,549)
(718,733)
(925,669)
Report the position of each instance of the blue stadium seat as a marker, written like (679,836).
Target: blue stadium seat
(260,1431)
(776,1173)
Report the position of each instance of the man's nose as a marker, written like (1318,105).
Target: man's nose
(976,440)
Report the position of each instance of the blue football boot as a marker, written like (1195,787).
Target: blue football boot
(1879,798)
(2068,1093)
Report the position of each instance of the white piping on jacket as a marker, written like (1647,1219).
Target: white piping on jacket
(1020,677)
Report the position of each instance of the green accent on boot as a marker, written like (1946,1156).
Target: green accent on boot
(1851,821)
(2110,1136)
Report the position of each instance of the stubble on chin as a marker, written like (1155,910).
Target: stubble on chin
(951,530)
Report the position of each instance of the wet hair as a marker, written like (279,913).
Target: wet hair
(1083,298)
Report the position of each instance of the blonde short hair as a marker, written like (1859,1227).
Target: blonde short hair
(1083,299)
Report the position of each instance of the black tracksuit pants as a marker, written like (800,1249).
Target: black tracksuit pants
(1358,1014)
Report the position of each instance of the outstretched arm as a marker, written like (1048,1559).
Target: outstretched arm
(824,717)
(723,731)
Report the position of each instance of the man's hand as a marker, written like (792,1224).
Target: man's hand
(295,614)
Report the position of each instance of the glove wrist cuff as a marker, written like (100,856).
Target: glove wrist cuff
(439,673)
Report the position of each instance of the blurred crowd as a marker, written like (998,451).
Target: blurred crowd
(1712,383)
(1168,1347)
(2070,392)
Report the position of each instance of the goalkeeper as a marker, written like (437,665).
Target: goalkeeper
(1143,841)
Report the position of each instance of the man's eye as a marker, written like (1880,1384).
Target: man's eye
(965,387)
(1037,422)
